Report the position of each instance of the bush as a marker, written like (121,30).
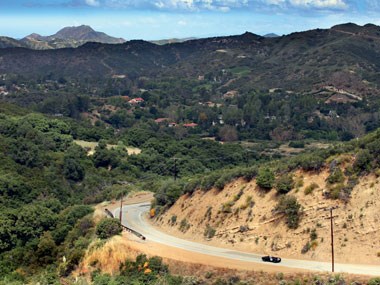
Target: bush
(265,179)
(310,162)
(209,231)
(227,207)
(223,180)
(297,144)
(249,173)
(313,234)
(363,160)
(184,225)
(173,220)
(335,177)
(191,186)
(306,248)
(289,206)
(209,181)
(284,184)
(309,189)
(108,228)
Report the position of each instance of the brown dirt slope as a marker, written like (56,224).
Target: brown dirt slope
(248,223)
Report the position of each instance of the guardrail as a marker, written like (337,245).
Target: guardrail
(109,213)
(134,232)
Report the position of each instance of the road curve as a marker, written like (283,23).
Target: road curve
(134,217)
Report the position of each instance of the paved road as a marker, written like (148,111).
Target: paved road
(134,217)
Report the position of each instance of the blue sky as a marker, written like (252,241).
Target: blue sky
(159,19)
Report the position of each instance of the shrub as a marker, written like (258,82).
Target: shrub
(191,186)
(226,207)
(184,225)
(265,179)
(249,173)
(309,189)
(311,162)
(297,144)
(336,191)
(289,206)
(313,234)
(335,177)
(362,160)
(173,220)
(209,181)
(306,248)
(108,228)
(284,184)
(223,180)
(209,231)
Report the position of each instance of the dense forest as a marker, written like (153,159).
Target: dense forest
(48,183)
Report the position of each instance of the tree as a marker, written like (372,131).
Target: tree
(46,249)
(108,228)
(265,179)
(73,170)
(33,220)
(228,133)
(289,206)
(284,183)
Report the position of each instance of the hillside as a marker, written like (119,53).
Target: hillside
(7,42)
(345,57)
(261,215)
(316,85)
(257,229)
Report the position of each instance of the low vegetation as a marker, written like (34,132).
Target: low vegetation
(107,228)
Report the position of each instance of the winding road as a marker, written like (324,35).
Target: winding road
(134,217)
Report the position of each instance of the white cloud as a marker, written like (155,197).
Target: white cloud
(223,5)
(321,4)
(93,3)
(218,5)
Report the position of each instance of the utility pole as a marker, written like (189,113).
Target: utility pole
(332,239)
(331,218)
(121,208)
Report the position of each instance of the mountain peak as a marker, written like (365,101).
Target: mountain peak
(75,32)
(75,29)
(34,36)
(271,35)
(347,27)
(85,33)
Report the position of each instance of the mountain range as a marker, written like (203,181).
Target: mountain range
(72,37)
(346,57)
(64,38)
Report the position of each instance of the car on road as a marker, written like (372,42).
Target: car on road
(273,259)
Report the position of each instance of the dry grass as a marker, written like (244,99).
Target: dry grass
(92,145)
(106,256)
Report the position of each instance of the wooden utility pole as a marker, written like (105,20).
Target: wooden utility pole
(121,208)
(332,233)
(332,239)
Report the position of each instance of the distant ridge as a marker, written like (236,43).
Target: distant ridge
(271,35)
(172,41)
(64,38)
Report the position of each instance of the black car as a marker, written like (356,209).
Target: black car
(273,259)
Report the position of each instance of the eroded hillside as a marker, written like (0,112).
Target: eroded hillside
(242,216)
